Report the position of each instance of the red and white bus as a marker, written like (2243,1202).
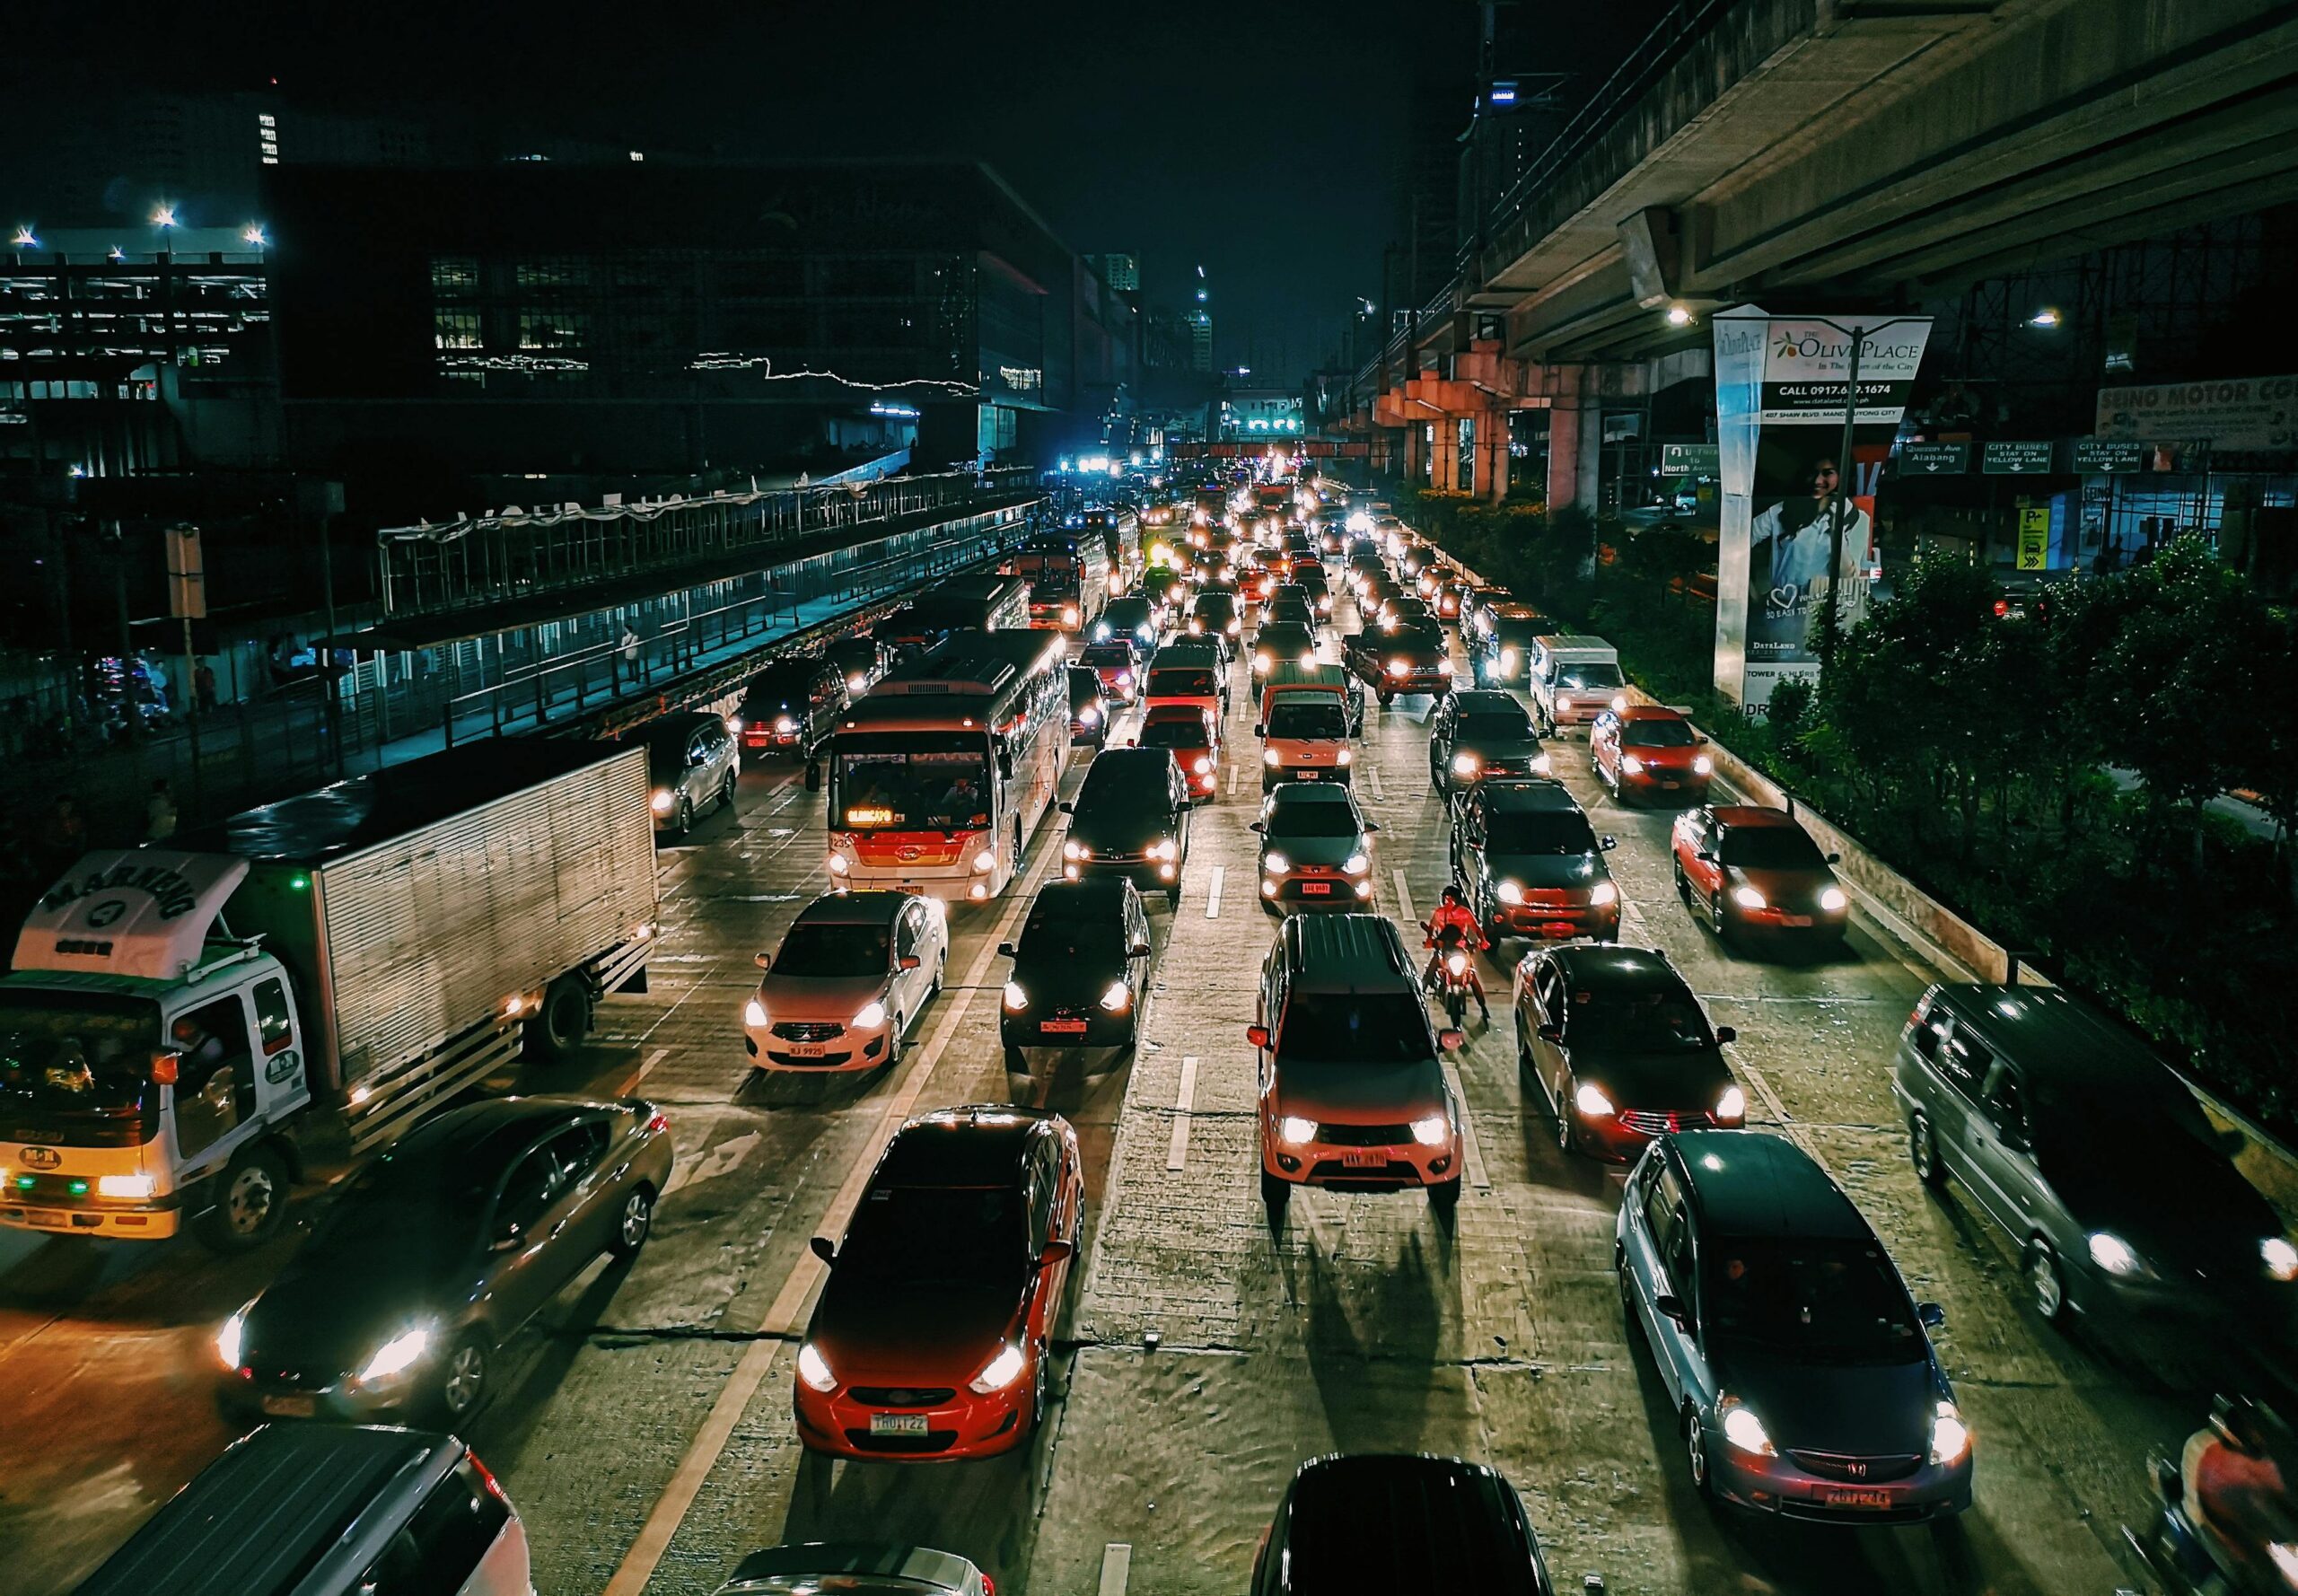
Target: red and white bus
(1068,573)
(938,778)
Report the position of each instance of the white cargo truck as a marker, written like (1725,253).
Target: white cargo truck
(184,1024)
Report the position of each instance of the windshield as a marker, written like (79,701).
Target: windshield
(1657,734)
(1311,819)
(1175,733)
(926,783)
(1539,831)
(1770,847)
(411,1205)
(1182,681)
(1307,715)
(1637,1022)
(1054,935)
(1518,634)
(1367,1028)
(831,951)
(1833,1300)
(914,1233)
(1585,677)
(84,1057)
(1512,727)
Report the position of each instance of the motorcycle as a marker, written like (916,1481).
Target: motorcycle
(1453,970)
(2237,1464)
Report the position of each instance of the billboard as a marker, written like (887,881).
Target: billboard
(1798,518)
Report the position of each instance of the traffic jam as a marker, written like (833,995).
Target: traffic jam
(1259,1050)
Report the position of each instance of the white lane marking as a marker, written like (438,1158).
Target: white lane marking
(1472,1150)
(1236,772)
(1213,891)
(1117,1568)
(1404,897)
(782,1317)
(724,1159)
(643,1071)
(1177,1155)
(1373,780)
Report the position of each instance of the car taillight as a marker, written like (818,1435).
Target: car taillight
(660,1122)
(487,1478)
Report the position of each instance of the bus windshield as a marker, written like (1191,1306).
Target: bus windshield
(925,783)
(78,1061)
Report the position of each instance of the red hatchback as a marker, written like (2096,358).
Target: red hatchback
(929,1341)
(1187,730)
(1648,752)
(1747,869)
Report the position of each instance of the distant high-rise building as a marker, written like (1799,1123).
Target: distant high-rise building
(1200,327)
(1119,270)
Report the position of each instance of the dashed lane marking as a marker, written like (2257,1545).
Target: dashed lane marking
(1177,1155)
(1213,891)
(1116,1567)
(1236,772)
(1404,897)
(1472,1150)
(1373,780)
(642,1072)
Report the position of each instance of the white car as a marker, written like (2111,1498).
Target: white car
(847,985)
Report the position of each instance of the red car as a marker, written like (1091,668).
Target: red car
(1648,752)
(1749,869)
(1188,732)
(1121,670)
(930,1337)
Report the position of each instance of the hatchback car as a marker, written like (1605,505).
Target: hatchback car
(929,1339)
(438,1250)
(1647,750)
(2097,1161)
(1620,1047)
(1080,969)
(1283,642)
(1750,869)
(691,763)
(1120,668)
(853,973)
(855,1568)
(1413,660)
(1481,735)
(1801,1378)
(1316,848)
(1194,739)
(1130,819)
(1089,710)
(1349,1525)
(1530,864)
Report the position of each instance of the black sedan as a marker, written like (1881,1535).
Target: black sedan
(1080,970)
(1089,709)
(1621,1048)
(441,1247)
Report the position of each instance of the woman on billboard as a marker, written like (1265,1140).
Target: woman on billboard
(1789,543)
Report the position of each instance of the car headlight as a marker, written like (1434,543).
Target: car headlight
(1631,764)
(1355,865)
(1508,661)
(1743,1429)
(1089,716)
(1235,626)
(1747,897)
(1457,962)
(1165,848)
(1296,1132)
(1261,663)
(1431,1131)
(1275,862)
(784,724)
(1603,895)
(2116,1256)
(1732,1104)
(1465,764)
(857,682)
(814,1371)
(1833,900)
(1590,1101)
(1000,1371)
(1541,765)
(839,865)
(1619,701)
(664,801)
(1015,998)
(1075,850)
(231,1338)
(396,1356)
(1146,632)
(1701,765)
(1069,615)
(1951,1438)
(1115,999)
(2281,1258)
(136,1189)
(754,1015)
(1443,666)
(1510,892)
(874,1012)
(1204,765)
(1269,756)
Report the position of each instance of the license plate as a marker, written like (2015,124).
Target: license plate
(1795,919)
(808,1049)
(1856,1498)
(1062,1027)
(898,1424)
(1316,888)
(1370,1159)
(291,1406)
(1670,786)
(1305,775)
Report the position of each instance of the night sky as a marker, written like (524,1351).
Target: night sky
(1265,140)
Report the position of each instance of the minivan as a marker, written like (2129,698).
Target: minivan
(329,1510)
(793,706)
(1575,678)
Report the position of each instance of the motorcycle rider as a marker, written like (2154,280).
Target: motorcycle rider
(1453,923)
(2236,1472)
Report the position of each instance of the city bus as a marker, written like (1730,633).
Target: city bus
(1121,531)
(941,773)
(1068,573)
(989,604)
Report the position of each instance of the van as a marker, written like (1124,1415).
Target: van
(794,705)
(1308,713)
(1575,678)
(1184,672)
(329,1510)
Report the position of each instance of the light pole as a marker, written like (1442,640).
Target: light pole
(1844,468)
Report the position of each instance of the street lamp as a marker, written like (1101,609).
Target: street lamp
(25,239)
(1679,317)
(254,237)
(164,216)
(2048,316)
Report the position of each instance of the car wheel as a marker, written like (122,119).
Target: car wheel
(250,1201)
(1275,1193)
(1173,896)
(1629,1319)
(686,817)
(1696,1452)
(893,1044)
(634,1224)
(1923,1153)
(941,969)
(463,1381)
(1683,883)
(1716,915)
(727,793)
(2046,1285)
(1385,699)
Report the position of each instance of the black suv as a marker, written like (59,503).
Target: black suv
(793,706)
(1389,1523)
(1130,819)
(1079,972)
(1531,863)
(1480,734)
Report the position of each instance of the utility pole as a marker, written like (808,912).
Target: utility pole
(1845,467)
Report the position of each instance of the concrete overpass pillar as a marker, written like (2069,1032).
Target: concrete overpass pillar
(1492,455)
(1562,456)
(1448,452)
(1592,456)
(1416,453)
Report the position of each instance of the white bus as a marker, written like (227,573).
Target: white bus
(1068,573)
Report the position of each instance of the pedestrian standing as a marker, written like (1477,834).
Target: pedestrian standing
(160,813)
(629,647)
(203,682)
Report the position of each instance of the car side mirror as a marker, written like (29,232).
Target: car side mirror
(1726,1033)
(763,961)
(1260,728)
(1004,949)
(1371,826)
(1671,1306)
(1702,741)
(508,1236)
(1706,855)
(1835,858)
(1257,1035)
(912,961)
(1056,1252)
(1931,1315)
(1067,808)
(1451,1041)
(1551,1033)
(1256,826)
(1607,842)
(824,1249)
(1138,950)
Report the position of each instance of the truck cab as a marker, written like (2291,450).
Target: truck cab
(149,1062)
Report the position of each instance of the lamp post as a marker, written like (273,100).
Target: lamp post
(1858,335)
